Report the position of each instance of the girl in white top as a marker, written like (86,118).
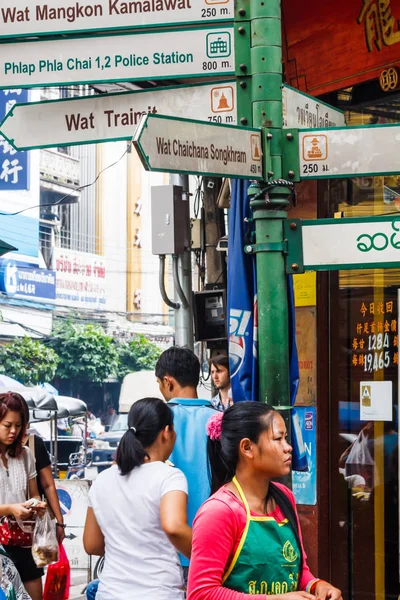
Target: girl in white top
(137,514)
(17,477)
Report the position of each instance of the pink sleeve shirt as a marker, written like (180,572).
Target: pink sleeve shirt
(217,530)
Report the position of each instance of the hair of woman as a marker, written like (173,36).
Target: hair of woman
(146,418)
(11,401)
(245,420)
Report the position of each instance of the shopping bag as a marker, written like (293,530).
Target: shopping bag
(44,542)
(58,578)
(16,533)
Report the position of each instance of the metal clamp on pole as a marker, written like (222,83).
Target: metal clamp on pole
(161,283)
(271,247)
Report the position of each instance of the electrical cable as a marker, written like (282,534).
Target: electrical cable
(79,189)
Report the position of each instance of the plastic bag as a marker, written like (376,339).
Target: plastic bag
(45,544)
(58,578)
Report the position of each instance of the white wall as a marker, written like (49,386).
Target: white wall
(114,193)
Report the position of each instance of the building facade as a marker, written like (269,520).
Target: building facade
(348,55)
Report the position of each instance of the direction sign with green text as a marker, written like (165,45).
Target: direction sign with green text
(132,57)
(349,152)
(110,117)
(174,145)
(359,243)
(32,18)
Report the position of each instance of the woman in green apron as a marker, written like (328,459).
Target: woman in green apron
(246,537)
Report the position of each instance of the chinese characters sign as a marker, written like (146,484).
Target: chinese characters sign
(14,172)
(318,61)
(374,339)
(381,27)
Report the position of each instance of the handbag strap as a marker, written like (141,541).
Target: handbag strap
(31,444)
(25,459)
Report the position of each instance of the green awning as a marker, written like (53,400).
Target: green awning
(4,247)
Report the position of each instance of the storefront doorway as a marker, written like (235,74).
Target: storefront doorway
(364,359)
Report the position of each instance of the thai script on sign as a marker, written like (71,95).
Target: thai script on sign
(312,117)
(381,27)
(379,241)
(77,266)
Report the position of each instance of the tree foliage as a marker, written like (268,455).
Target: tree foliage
(137,355)
(86,352)
(28,360)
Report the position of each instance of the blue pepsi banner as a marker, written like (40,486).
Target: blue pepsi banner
(14,167)
(21,280)
(242,299)
(305,483)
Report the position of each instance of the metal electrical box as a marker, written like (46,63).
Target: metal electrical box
(209,308)
(169,220)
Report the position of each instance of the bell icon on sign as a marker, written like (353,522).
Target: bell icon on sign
(223,102)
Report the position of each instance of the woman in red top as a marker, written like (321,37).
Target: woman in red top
(246,538)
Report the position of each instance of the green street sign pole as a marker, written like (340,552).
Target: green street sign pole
(258,44)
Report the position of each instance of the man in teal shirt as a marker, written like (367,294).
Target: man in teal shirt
(178,372)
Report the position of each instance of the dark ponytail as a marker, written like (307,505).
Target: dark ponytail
(147,417)
(245,420)
(242,420)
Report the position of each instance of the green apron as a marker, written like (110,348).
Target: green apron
(267,560)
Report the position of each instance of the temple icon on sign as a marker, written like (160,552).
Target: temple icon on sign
(222,99)
(255,147)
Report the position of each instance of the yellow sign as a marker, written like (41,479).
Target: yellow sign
(305,289)
(366,395)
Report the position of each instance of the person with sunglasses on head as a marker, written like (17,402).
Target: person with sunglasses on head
(247,540)
(137,513)
(19,495)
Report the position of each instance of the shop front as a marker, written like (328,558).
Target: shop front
(348,54)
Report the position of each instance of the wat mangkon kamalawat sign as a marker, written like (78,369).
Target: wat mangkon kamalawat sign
(27,17)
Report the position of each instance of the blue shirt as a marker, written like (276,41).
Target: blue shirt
(190,450)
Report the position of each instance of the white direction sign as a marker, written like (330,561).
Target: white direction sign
(146,56)
(331,244)
(32,17)
(349,152)
(184,146)
(110,117)
(302,111)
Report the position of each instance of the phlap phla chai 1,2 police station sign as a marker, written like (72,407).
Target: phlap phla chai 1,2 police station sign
(173,145)
(34,17)
(110,117)
(131,57)
(332,244)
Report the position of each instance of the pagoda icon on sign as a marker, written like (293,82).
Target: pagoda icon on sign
(256,153)
(223,103)
(315,151)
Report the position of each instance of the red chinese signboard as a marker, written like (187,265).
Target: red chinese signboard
(330,46)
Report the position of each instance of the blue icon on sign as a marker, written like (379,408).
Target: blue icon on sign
(9,277)
(65,501)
